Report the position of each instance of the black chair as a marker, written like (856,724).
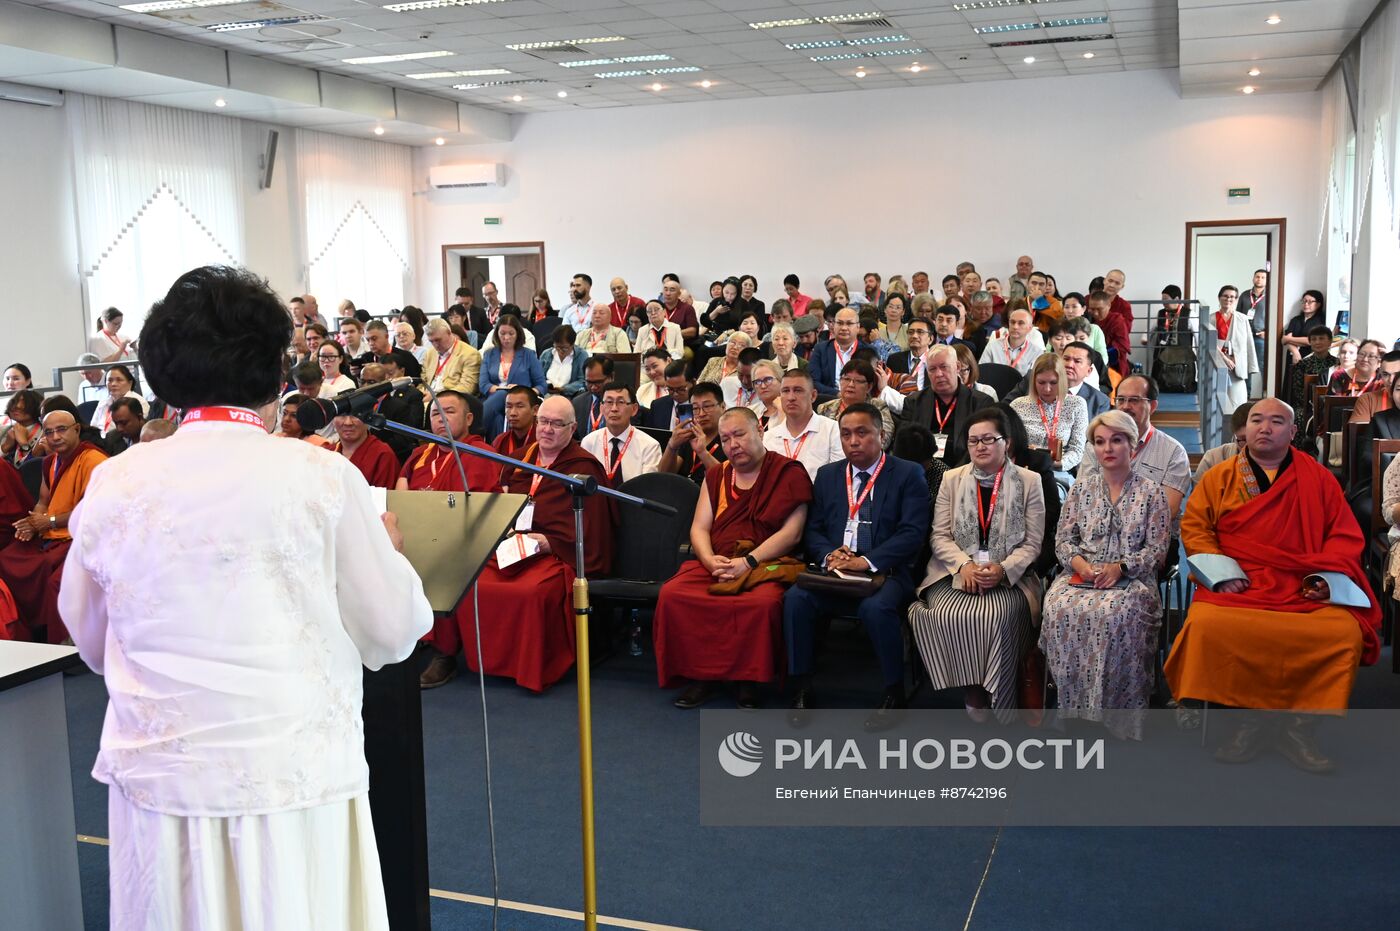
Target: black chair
(1000,378)
(648,548)
(627,367)
(31,471)
(85,412)
(543,331)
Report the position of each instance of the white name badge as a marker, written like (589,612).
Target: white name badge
(982,558)
(852,534)
(941,442)
(526,521)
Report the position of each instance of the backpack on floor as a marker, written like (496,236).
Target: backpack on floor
(1174,369)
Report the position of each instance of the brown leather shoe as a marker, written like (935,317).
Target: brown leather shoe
(696,695)
(442,670)
(1243,745)
(1296,743)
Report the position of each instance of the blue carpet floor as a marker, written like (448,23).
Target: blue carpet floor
(656,863)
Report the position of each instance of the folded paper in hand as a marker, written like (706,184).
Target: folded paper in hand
(1214,569)
(515,548)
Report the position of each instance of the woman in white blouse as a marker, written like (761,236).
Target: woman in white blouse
(120,383)
(407,340)
(231,616)
(109,345)
(1055,420)
(330,356)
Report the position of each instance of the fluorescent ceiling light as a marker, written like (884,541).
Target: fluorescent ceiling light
(382,59)
(262,23)
(994,4)
(1007,27)
(478,73)
(434,4)
(472,87)
(850,17)
(781,23)
(838,43)
(162,6)
(560,43)
(884,53)
(1076,21)
(684,69)
(619,74)
(623,60)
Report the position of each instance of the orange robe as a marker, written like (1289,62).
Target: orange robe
(527,611)
(738,637)
(1268,647)
(32,568)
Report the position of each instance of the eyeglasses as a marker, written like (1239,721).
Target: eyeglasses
(332,357)
(984,440)
(55,432)
(616,402)
(854,381)
(764,382)
(706,408)
(1373,356)
(1129,399)
(553,424)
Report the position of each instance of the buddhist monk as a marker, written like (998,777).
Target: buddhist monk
(527,625)
(1271,641)
(752,511)
(366,452)
(31,566)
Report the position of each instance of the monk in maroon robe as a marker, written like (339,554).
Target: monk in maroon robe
(372,456)
(432,468)
(15,499)
(527,609)
(758,497)
(519,435)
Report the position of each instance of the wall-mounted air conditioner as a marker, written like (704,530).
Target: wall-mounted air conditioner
(23,93)
(484,174)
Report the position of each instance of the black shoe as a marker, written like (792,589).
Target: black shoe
(696,695)
(748,696)
(799,714)
(889,712)
(1296,743)
(1243,745)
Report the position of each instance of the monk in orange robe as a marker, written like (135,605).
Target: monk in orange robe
(527,609)
(372,456)
(431,467)
(33,565)
(758,497)
(1272,642)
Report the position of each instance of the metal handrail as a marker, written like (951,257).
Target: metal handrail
(59,371)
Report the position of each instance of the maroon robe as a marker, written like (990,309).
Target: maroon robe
(15,500)
(507,445)
(527,618)
(376,461)
(739,637)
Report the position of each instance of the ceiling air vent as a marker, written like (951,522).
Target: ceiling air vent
(863,25)
(1062,41)
(561,52)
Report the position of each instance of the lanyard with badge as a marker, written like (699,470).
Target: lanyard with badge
(1052,429)
(940,438)
(795,453)
(617,460)
(854,505)
(1016,362)
(984,521)
(526,521)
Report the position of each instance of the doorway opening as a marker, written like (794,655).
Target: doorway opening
(516,268)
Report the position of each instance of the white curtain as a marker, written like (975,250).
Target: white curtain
(1336,130)
(359,233)
(1378,128)
(158,192)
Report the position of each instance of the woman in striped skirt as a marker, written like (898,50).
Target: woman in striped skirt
(980,597)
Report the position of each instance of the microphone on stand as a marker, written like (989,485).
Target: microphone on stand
(315,414)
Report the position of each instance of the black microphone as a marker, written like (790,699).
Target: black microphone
(314,414)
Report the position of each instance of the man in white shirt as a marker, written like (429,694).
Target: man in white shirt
(579,313)
(660,332)
(738,388)
(1021,346)
(1158,456)
(803,435)
(624,451)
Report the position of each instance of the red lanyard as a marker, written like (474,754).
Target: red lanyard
(112,339)
(746,396)
(617,460)
(1051,427)
(1253,300)
(593,338)
(658,335)
(696,463)
(1019,356)
(943,420)
(787,448)
(223,415)
(442,363)
(534,482)
(595,420)
(984,522)
(855,503)
(842,360)
(1364,388)
(1143,444)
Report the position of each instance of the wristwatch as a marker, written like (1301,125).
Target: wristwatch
(753,563)
(53,520)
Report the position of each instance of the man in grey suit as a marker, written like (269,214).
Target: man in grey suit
(1078,364)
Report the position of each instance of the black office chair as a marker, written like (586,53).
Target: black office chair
(1000,378)
(543,331)
(648,548)
(31,471)
(85,412)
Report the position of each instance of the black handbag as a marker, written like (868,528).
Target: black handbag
(855,585)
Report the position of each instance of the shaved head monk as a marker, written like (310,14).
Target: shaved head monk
(1273,640)
(527,629)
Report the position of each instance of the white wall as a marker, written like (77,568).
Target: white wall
(41,315)
(1082,173)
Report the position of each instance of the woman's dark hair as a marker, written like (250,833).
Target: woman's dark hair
(1321,315)
(564,334)
(515,324)
(640,315)
(1172,291)
(28,399)
(23,370)
(459,331)
(548,305)
(124,372)
(756,319)
(61,402)
(744,278)
(1320,330)
(913,443)
(343,366)
(864,370)
(716,284)
(416,318)
(217,337)
(1226,287)
(903,305)
(1078,297)
(1096,284)
(1003,419)
(107,316)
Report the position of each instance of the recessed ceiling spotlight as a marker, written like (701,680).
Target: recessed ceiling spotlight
(379,130)
(1274,20)
(1088,54)
(221,102)
(656,86)
(707,84)
(1254,72)
(1248,88)
(562,94)
(440,141)
(517,98)
(916,67)
(1029,59)
(860,73)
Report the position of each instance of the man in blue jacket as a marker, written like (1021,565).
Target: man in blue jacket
(830,356)
(869,513)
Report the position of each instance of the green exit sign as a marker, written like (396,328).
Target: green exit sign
(496,221)
(1234,192)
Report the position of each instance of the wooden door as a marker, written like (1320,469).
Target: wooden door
(524,276)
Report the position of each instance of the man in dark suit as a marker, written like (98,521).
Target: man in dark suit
(904,363)
(944,407)
(475,316)
(588,405)
(661,414)
(869,513)
(945,329)
(829,357)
